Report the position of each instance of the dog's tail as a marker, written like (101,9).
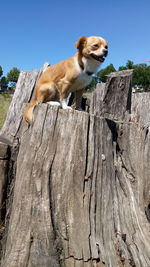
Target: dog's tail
(28,111)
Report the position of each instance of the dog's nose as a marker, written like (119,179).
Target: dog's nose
(105,52)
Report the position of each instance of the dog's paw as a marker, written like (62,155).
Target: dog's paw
(54,103)
(67,107)
(64,104)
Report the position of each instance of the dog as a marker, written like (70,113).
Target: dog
(70,75)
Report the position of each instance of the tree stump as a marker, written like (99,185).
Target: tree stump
(79,191)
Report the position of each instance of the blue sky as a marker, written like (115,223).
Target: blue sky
(34,32)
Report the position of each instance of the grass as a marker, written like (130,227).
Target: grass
(5,100)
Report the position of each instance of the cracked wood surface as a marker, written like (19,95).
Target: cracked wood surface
(23,93)
(81,194)
(113,99)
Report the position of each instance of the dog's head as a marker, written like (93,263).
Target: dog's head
(93,47)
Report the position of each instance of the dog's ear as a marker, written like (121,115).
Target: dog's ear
(81,43)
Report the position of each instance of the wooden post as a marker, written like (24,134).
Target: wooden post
(81,189)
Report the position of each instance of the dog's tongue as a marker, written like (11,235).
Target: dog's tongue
(101,59)
(98,58)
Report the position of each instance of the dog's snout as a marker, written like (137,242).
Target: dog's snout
(105,52)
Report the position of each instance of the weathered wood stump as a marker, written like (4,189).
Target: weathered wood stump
(80,190)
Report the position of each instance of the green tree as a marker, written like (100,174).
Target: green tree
(12,75)
(129,64)
(147,71)
(1,71)
(3,82)
(141,76)
(93,84)
(104,72)
(122,68)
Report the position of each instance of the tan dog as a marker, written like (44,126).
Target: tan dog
(70,75)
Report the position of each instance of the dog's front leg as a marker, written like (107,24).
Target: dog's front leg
(78,99)
(64,103)
(64,97)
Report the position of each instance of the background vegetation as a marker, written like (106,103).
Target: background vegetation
(141,75)
(7,84)
(10,80)
(5,100)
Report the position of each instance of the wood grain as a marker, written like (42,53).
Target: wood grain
(81,194)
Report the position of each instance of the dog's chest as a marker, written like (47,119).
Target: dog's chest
(81,82)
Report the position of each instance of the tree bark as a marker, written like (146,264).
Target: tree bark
(80,192)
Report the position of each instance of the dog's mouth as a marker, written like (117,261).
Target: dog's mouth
(98,58)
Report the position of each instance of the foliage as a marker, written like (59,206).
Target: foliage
(92,85)
(1,71)
(122,68)
(141,74)
(102,74)
(11,79)
(3,82)
(13,74)
(129,65)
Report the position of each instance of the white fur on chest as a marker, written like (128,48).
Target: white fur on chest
(91,65)
(83,79)
(81,82)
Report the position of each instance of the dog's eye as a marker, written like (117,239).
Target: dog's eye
(95,46)
(106,46)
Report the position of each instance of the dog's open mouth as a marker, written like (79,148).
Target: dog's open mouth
(98,58)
